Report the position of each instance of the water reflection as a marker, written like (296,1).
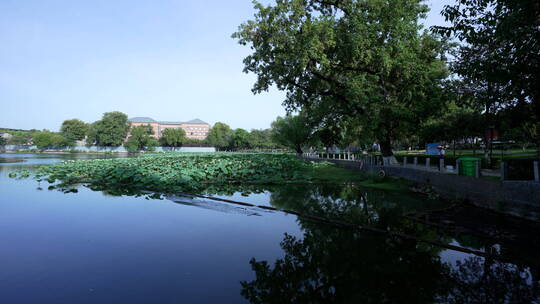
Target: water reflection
(10,162)
(321,263)
(477,280)
(335,265)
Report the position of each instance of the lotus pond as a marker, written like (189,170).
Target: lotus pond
(124,230)
(173,172)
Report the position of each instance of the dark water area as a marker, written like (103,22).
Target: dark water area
(94,247)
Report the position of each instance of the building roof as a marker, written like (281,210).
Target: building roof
(197,121)
(141,119)
(171,122)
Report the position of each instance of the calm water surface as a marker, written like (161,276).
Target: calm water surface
(92,247)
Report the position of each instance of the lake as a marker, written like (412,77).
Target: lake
(96,247)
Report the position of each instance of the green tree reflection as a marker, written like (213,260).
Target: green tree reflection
(336,265)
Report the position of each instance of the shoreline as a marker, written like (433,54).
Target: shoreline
(65,152)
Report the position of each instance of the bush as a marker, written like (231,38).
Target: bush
(47,139)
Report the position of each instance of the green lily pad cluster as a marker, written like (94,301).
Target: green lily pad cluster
(180,171)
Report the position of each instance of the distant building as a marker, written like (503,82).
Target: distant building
(6,135)
(195,129)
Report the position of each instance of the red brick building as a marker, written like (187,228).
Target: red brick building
(195,129)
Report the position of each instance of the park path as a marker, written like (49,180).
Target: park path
(448,169)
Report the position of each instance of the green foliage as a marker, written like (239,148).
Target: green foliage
(91,135)
(219,135)
(20,137)
(517,124)
(110,131)
(261,139)
(74,129)
(499,62)
(140,138)
(47,139)
(366,60)
(500,53)
(455,123)
(291,131)
(20,174)
(3,141)
(170,172)
(240,139)
(173,137)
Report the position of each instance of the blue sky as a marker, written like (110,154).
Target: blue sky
(167,59)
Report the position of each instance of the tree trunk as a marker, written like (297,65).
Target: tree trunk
(386,148)
(387,154)
(298,150)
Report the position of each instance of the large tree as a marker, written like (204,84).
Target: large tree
(219,135)
(500,52)
(455,124)
(140,138)
(74,129)
(261,139)
(173,137)
(240,139)
(291,131)
(499,56)
(110,131)
(341,59)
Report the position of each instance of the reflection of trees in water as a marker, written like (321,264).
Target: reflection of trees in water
(345,202)
(332,265)
(478,280)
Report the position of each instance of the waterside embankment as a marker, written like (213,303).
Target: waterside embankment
(517,198)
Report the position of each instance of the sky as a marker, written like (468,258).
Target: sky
(172,60)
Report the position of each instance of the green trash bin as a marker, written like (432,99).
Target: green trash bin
(467,166)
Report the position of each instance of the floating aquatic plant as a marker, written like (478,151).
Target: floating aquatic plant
(169,172)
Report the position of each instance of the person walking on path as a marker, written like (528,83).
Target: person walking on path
(441,155)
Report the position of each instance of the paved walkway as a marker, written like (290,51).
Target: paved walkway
(423,167)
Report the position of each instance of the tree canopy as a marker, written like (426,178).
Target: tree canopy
(498,62)
(140,138)
(20,137)
(110,131)
(74,129)
(47,139)
(455,123)
(240,139)
(291,131)
(500,53)
(261,139)
(339,59)
(173,137)
(219,135)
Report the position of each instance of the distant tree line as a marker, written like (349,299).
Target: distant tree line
(114,130)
